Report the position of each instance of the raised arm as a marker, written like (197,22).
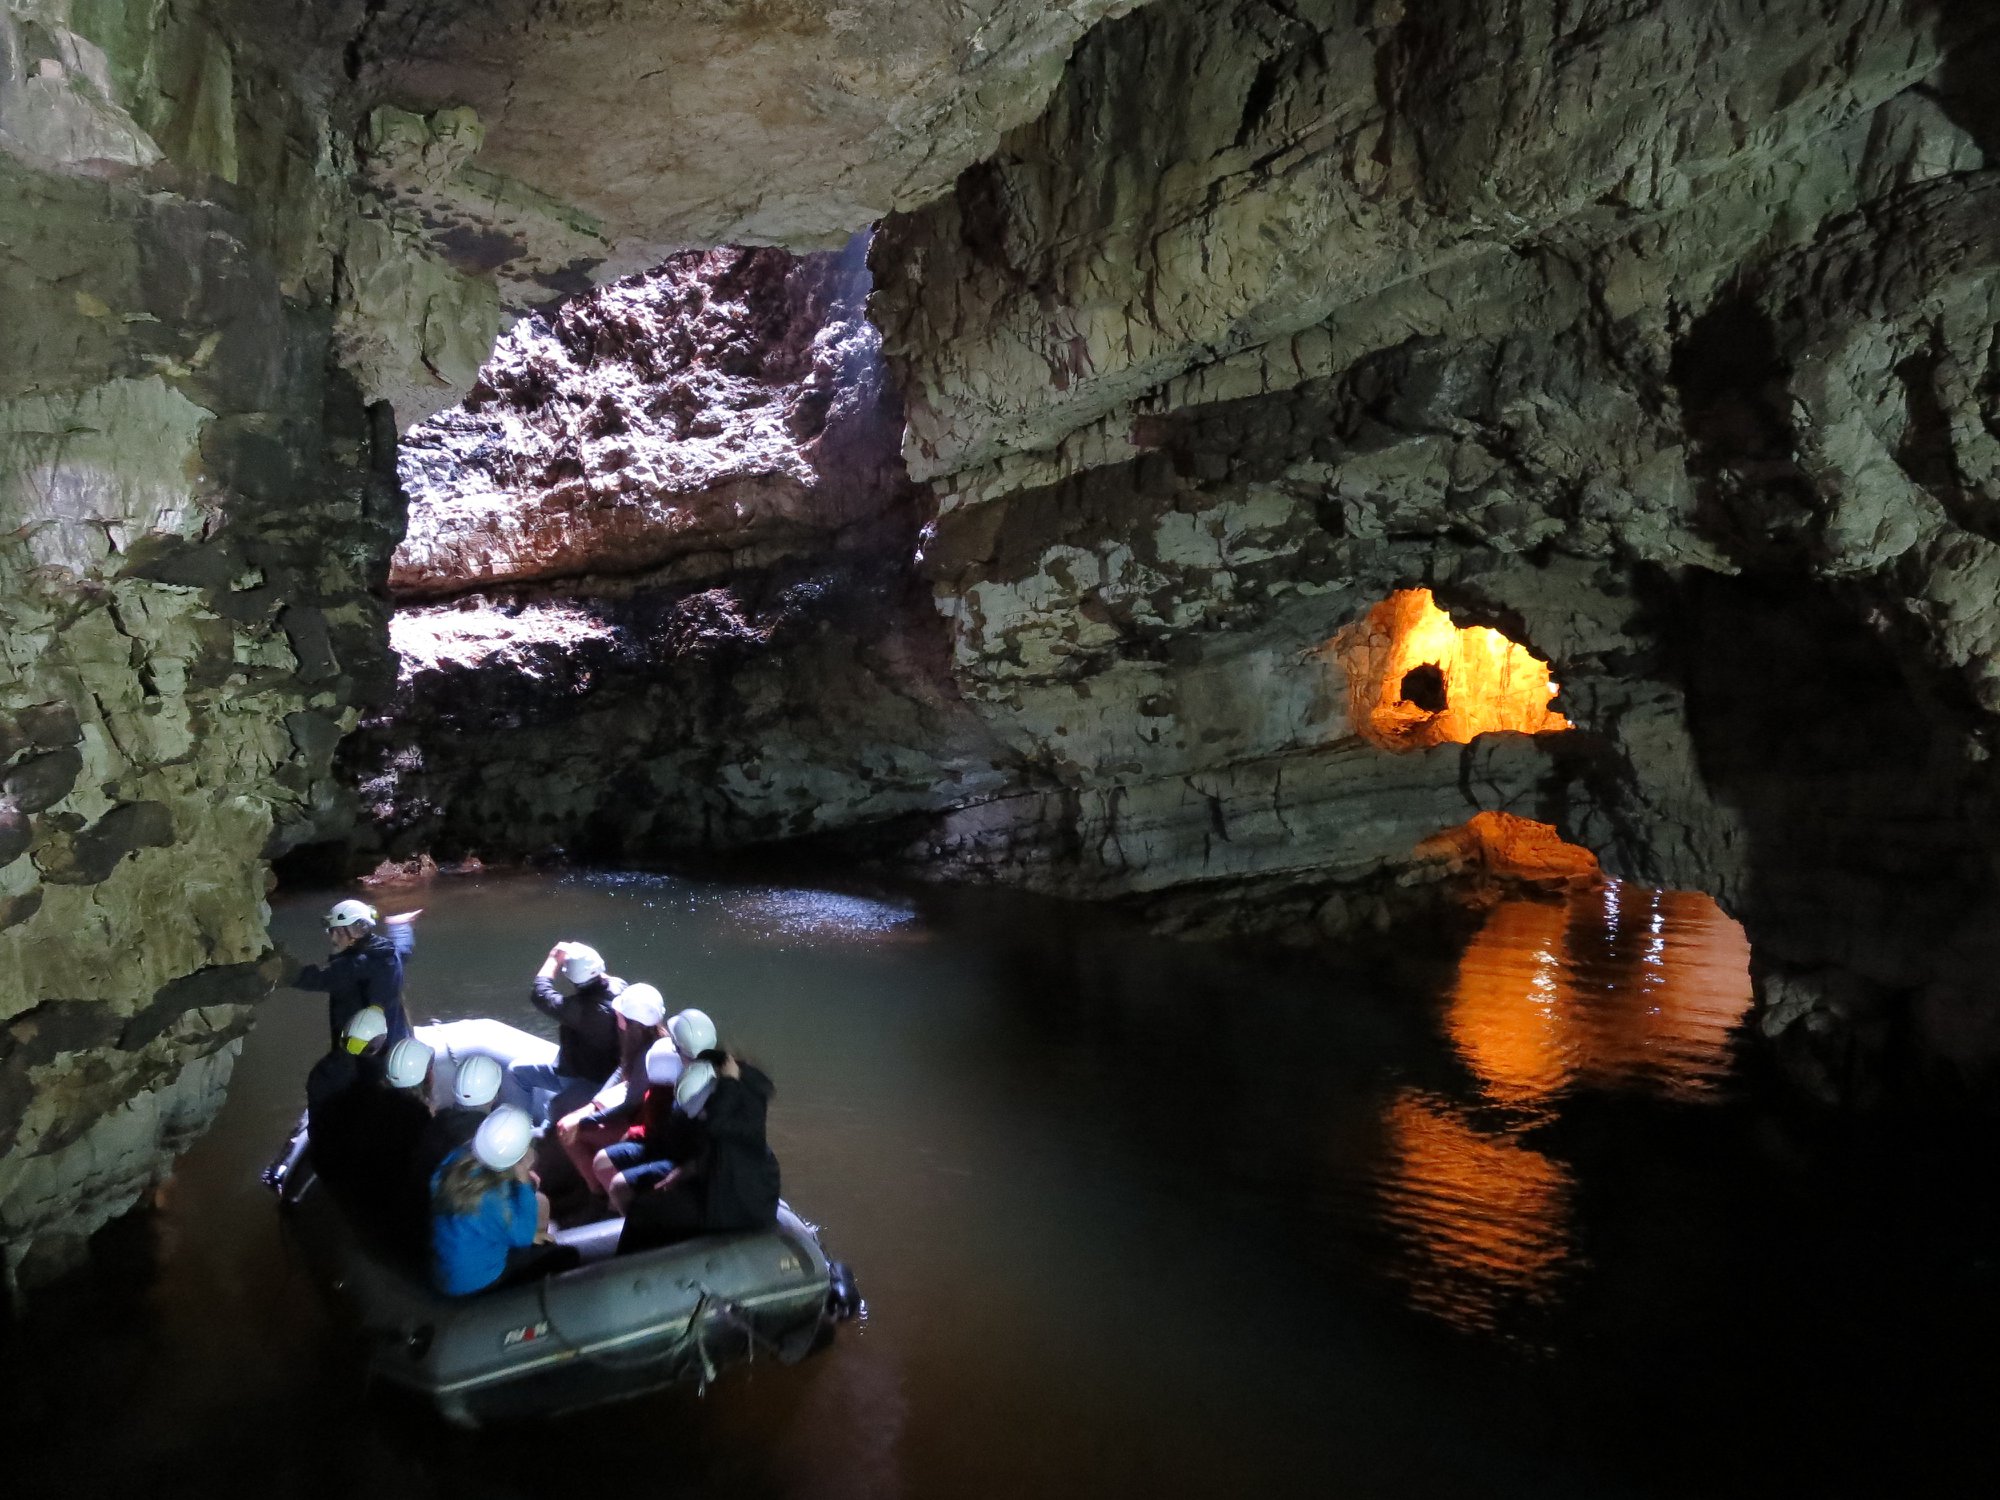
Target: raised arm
(402,931)
(548,999)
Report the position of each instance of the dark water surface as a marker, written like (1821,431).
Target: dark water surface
(1134,1219)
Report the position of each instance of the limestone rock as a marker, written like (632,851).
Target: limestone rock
(725,401)
(651,129)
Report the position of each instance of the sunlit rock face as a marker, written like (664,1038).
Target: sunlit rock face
(728,400)
(678,543)
(1657,337)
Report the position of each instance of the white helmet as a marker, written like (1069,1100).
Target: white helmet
(409,1062)
(692,1032)
(365,1027)
(477,1082)
(641,1004)
(697,1083)
(351,914)
(581,964)
(503,1138)
(663,1064)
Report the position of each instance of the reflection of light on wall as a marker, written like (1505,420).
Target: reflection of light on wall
(1621,985)
(1482,1219)
(1488,682)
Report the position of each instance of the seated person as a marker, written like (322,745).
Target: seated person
(641,1016)
(370,1134)
(357,1054)
(586,1030)
(474,1087)
(732,1182)
(663,1136)
(489,1225)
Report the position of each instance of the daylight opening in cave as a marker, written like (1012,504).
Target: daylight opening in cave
(1416,679)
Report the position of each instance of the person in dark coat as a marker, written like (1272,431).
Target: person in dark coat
(365,1140)
(587,1050)
(366,967)
(732,1182)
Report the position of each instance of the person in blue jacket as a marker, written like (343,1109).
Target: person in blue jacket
(489,1223)
(366,967)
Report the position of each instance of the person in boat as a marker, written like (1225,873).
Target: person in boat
(365,1137)
(366,967)
(474,1088)
(662,1138)
(489,1222)
(586,1032)
(641,1013)
(731,1182)
(356,1055)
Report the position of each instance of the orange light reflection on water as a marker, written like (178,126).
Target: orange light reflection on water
(1621,987)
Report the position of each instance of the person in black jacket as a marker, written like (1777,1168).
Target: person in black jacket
(366,967)
(364,1140)
(586,1034)
(732,1180)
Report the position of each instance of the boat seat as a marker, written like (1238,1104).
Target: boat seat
(595,1241)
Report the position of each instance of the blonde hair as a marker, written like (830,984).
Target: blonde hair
(466,1180)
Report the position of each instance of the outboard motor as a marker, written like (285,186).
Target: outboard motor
(843,1297)
(279,1174)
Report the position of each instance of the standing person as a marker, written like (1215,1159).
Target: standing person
(586,1030)
(641,1013)
(474,1087)
(732,1182)
(366,967)
(489,1225)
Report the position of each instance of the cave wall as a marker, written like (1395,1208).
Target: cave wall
(1559,310)
(245,244)
(1213,324)
(193,514)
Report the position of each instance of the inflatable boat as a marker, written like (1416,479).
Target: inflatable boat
(614,1327)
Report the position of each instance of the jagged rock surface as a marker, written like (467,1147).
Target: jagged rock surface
(697,622)
(727,400)
(559,143)
(196,509)
(1643,331)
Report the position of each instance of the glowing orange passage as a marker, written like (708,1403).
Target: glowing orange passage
(1478,680)
(1622,986)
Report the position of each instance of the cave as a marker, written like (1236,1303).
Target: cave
(1185,519)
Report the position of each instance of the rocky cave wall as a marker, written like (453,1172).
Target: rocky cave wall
(1595,319)
(1660,336)
(1605,323)
(658,592)
(245,242)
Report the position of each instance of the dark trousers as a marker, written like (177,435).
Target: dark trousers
(665,1216)
(532,1262)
